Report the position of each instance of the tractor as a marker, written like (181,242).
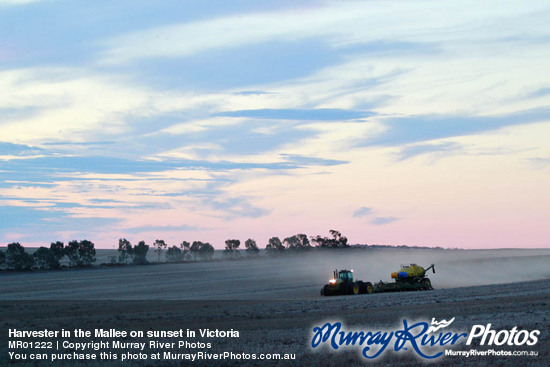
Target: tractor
(342,283)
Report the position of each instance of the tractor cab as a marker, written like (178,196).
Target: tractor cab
(343,283)
(342,277)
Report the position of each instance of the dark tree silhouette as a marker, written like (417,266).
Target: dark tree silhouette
(80,253)
(319,241)
(297,242)
(159,246)
(185,248)
(231,249)
(125,250)
(252,249)
(17,258)
(337,240)
(45,258)
(140,253)
(291,243)
(303,241)
(195,248)
(2,257)
(206,251)
(342,241)
(174,255)
(275,246)
(57,250)
(71,250)
(86,251)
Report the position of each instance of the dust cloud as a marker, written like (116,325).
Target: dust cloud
(288,277)
(453,268)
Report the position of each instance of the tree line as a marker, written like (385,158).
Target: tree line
(274,247)
(79,253)
(82,253)
(187,251)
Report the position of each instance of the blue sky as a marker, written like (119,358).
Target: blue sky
(400,122)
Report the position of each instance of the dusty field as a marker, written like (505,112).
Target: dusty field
(285,278)
(274,303)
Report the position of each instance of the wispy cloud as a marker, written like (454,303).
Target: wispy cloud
(540,162)
(542,92)
(237,207)
(439,149)
(413,129)
(378,221)
(149,228)
(318,114)
(32,220)
(302,161)
(230,68)
(18,149)
(183,40)
(17,2)
(370,214)
(361,212)
(340,24)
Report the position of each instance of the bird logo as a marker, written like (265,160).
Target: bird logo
(439,325)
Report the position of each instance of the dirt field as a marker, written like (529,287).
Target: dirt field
(285,278)
(275,303)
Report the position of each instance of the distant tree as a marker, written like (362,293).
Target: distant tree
(297,242)
(275,246)
(185,248)
(125,250)
(140,253)
(303,241)
(44,258)
(130,250)
(291,243)
(195,248)
(2,257)
(80,253)
(206,251)
(337,240)
(252,249)
(159,246)
(342,241)
(71,250)
(174,255)
(17,258)
(86,251)
(231,249)
(57,250)
(319,241)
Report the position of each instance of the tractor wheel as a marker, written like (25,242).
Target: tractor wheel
(356,288)
(369,288)
(325,291)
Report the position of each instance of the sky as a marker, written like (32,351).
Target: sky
(419,123)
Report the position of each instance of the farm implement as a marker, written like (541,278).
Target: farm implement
(408,278)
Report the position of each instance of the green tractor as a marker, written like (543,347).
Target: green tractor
(342,283)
